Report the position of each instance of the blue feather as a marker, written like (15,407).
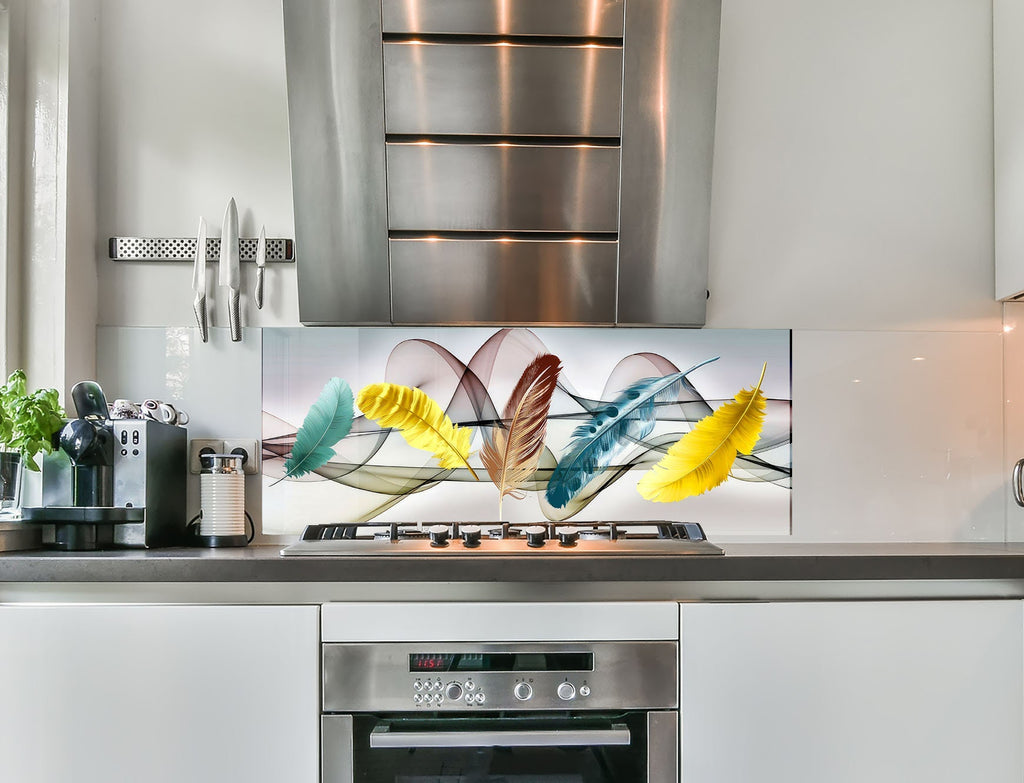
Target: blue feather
(630,418)
(328,421)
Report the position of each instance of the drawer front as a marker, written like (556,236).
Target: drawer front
(510,281)
(502,187)
(597,18)
(502,89)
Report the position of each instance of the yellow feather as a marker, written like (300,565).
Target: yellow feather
(703,457)
(421,421)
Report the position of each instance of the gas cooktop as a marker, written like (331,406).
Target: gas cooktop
(653,538)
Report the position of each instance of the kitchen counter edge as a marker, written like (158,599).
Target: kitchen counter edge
(741,563)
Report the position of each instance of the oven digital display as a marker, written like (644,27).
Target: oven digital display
(502,662)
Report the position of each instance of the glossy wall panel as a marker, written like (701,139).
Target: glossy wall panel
(897,436)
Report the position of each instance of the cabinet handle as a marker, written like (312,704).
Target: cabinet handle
(1018,488)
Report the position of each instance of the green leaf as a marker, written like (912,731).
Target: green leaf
(28,422)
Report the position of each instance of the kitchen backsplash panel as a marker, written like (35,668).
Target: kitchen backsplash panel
(899,435)
(471,372)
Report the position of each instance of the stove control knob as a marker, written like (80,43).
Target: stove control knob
(438,535)
(453,691)
(535,535)
(522,691)
(567,536)
(566,691)
(470,536)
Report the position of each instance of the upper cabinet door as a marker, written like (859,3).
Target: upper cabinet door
(1008,126)
(502,161)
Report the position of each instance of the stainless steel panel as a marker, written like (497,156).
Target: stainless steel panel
(502,187)
(336,125)
(376,677)
(598,18)
(336,749)
(663,747)
(670,66)
(473,281)
(502,89)
(383,737)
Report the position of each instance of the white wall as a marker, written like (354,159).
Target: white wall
(852,203)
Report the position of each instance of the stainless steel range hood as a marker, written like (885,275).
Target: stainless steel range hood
(502,161)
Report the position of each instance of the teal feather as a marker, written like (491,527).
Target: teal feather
(594,445)
(328,421)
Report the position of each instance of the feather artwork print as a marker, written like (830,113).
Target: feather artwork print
(420,420)
(594,445)
(702,458)
(328,421)
(511,452)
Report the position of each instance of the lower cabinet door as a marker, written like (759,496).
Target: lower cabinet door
(159,694)
(851,692)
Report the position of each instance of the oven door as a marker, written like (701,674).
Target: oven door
(630,747)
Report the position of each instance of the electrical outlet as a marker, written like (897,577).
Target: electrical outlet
(249,449)
(198,446)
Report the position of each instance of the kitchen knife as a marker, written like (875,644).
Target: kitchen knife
(261,262)
(199,281)
(229,276)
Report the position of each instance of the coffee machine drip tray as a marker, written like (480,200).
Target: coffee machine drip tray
(89,515)
(77,528)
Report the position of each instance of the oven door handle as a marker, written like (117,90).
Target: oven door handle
(383,737)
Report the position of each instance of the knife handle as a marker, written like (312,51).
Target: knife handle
(199,306)
(234,317)
(258,294)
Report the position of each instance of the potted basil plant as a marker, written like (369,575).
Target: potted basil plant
(28,423)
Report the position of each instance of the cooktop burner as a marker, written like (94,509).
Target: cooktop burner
(465,539)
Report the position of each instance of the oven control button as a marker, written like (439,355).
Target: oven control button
(417,686)
(438,698)
(568,535)
(453,691)
(438,535)
(479,698)
(566,691)
(584,690)
(417,699)
(470,536)
(470,685)
(469,699)
(522,691)
(536,535)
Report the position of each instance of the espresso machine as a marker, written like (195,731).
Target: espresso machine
(112,483)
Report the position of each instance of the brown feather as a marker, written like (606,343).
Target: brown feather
(511,452)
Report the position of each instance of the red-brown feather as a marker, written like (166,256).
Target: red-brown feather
(512,449)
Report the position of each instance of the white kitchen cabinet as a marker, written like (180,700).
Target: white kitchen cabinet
(1008,133)
(160,694)
(850,692)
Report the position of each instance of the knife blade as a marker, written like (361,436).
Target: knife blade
(229,274)
(199,282)
(261,262)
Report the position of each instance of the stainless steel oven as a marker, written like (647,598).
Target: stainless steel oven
(517,712)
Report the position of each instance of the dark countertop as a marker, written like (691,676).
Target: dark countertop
(741,563)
